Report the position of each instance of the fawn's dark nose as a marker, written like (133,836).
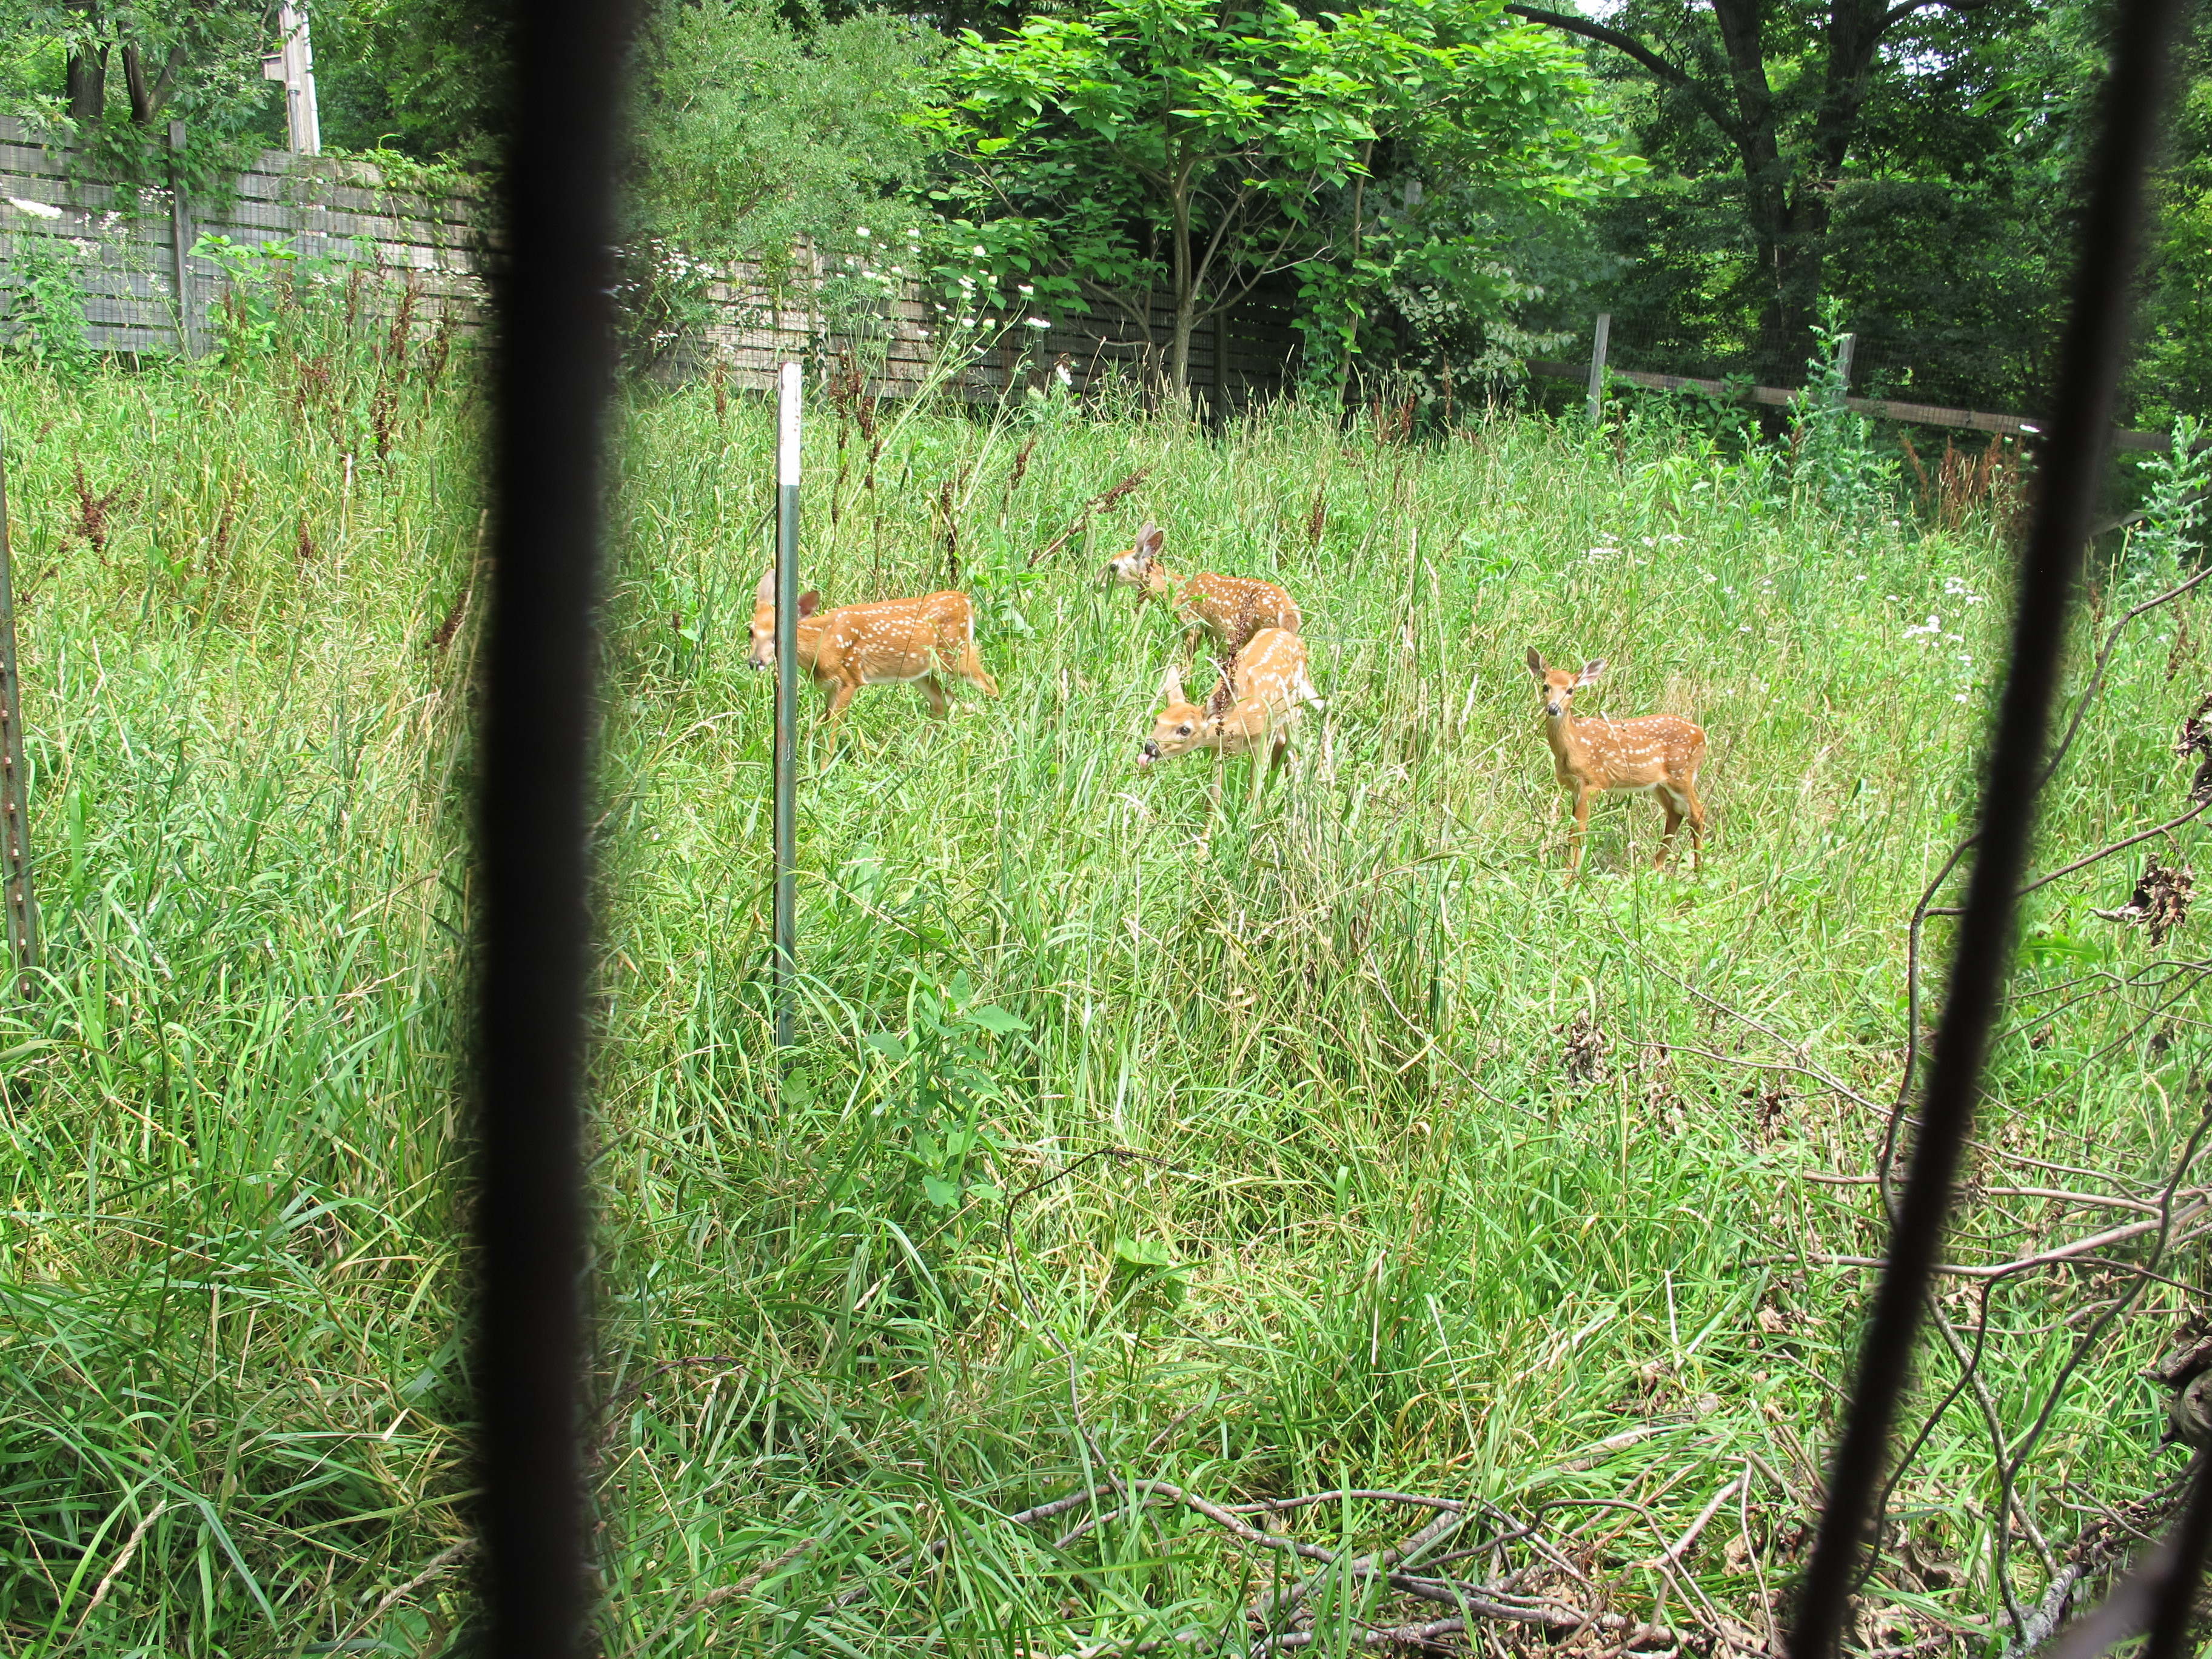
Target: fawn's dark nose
(1152,750)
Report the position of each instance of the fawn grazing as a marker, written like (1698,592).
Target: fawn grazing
(1657,755)
(891,643)
(1251,711)
(1232,609)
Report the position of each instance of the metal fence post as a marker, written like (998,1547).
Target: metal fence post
(1597,366)
(785,961)
(15,806)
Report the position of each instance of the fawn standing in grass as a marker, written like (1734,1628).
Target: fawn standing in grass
(1251,711)
(892,642)
(1232,609)
(1657,755)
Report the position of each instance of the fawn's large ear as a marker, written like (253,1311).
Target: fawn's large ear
(765,593)
(1150,540)
(1171,686)
(810,602)
(1590,671)
(1535,662)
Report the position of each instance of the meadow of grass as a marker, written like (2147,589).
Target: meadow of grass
(1418,1170)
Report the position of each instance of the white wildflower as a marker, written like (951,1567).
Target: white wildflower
(36,209)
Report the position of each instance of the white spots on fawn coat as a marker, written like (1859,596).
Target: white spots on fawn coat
(890,642)
(1231,609)
(1658,754)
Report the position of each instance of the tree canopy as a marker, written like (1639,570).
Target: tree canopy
(1175,153)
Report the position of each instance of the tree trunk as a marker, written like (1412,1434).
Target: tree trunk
(86,82)
(1766,180)
(84,79)
(148,98)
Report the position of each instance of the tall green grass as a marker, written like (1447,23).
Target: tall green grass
(228,1291)
(1426,1171)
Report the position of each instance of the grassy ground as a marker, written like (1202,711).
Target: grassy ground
(1418,1169)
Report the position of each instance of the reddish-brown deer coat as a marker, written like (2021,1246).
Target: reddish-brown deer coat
(889,642)
(1231,608)
(1658,754)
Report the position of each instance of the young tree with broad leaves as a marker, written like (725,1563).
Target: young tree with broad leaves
(1184,149)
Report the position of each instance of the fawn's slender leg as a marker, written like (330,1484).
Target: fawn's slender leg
(1581,833)
(971,670)
(1697,816)
(833,711)
(929,688)
(1673,822)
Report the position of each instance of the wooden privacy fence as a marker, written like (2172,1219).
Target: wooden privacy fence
(132,252)
(1238,358)
(131,256)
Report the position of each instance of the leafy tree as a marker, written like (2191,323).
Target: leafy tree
(753,138)
(1797,97)
(2173,373)
(427,78)
(104,64)
(1176,147)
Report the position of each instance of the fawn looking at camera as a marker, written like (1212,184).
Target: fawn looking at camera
(890,642)
(1231,608)
(1658,754)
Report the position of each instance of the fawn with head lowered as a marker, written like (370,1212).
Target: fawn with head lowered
(891,643)
(1658,754)
(1251,711)
(1231,608)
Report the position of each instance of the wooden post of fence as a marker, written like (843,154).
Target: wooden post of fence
(180,232)
(1597,366)
(15,806)
(1844,349)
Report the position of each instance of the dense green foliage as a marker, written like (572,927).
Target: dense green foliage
(754,141)
(1174,146)
(1934,195)
(1436,188)
(1459,1173)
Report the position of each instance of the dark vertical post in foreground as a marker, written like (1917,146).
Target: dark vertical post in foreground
(2073,471)
(554,370)
(15,801)
(786,960)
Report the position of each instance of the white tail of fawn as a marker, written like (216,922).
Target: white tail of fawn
(1231,608)
(1251,711)
(891,643)
(1658,754)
